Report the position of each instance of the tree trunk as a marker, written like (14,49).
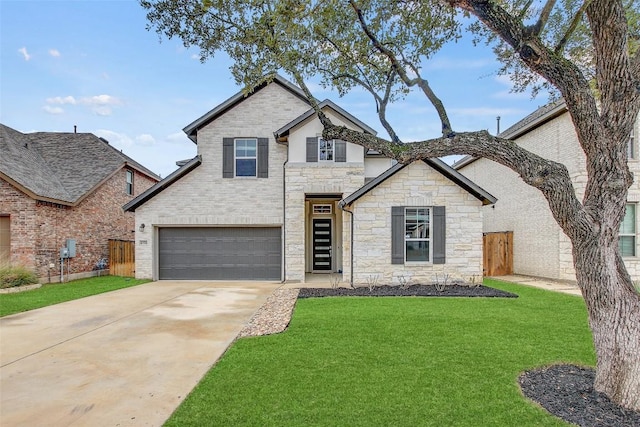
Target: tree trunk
(614,317)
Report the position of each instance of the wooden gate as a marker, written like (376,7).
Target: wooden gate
(497,253)
(122,258)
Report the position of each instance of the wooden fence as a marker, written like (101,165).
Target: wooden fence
(498,253)
(122,258)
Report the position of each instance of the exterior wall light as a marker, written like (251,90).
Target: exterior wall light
(141,228)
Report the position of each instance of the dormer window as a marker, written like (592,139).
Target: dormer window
(129,183)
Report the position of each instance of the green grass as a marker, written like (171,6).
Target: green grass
(395,362)
(61,292)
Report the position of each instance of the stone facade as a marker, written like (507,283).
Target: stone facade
(202,197)
(416,185)
(39,229)
(540,248)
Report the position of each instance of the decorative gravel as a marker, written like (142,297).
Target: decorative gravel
(274,315)
(409,291)
(566,391)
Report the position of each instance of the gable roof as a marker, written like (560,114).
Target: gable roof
(478,192)
(284,130)
(186,167)
(534,120)
(60,167)
(192,129)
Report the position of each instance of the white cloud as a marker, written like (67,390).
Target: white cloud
(100,100)
(145,139)
(195,56)
(53,110)
(60,100)
(54,52)
(102,110)
(177,137)
(25,54)
(117,140)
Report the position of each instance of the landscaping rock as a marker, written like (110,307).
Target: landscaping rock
(567,392)
(409,291)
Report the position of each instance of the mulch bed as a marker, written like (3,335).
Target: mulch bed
(566,391)
(409,291)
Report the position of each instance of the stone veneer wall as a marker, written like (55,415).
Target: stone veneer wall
(415,185)
(313,178)
(39,229)
(540,247)
(203,197)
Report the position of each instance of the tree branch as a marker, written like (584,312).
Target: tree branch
(544,17)
(572,27)
(551,178)
(398,67)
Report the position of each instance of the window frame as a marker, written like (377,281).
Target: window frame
(333,150)
(428,239)
(631,234)
(129,185)
(236,157)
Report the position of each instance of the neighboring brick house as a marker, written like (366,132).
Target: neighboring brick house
(267,199)
(59,186)
(540,248)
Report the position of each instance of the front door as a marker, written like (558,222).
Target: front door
(322,244)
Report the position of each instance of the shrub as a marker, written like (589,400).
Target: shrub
(11,276)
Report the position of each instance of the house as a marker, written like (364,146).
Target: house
(540,248)
(57,189)
(267,198)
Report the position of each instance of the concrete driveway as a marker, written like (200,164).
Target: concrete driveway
(123,358)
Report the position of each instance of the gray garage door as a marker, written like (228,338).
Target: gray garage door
(220,253)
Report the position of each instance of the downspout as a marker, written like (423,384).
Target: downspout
(351,245)
(284,213)
(284,219)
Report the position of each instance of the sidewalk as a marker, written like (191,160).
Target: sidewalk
(566,287)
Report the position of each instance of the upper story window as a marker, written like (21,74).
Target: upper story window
(325,150)
(627,234)
(417,225)
(320,150)
(246,157)
(129,184)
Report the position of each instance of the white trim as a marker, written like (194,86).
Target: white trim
(429,239)
(236,157)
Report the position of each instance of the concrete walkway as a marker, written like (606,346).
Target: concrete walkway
(566,287)
(123,358)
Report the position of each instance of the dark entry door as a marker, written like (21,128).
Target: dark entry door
(322,244)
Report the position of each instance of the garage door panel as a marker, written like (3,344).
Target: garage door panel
(220,253)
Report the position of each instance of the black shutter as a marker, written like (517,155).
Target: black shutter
(263,157)
(312,149)
(439,235)
(340,151)
(397,235)
(227,157)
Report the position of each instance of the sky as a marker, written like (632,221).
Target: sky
(93,64)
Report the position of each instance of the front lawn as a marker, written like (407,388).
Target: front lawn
(60,292)
(395,361)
